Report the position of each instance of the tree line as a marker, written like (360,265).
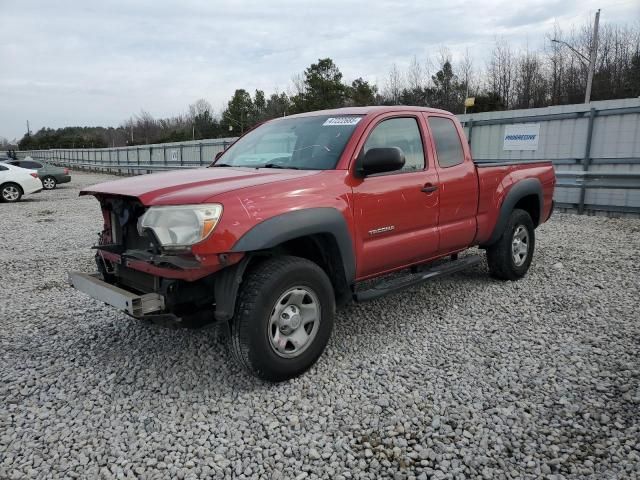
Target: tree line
(511,79)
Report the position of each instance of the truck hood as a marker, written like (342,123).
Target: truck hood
(181,187)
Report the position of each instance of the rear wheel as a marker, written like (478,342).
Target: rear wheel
(49,182)
(10,192)
(284,318)
(510,257)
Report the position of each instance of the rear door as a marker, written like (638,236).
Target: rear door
(396,213)
(458,183)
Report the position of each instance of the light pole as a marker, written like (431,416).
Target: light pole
(591,61)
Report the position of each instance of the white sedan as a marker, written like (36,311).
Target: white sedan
(16,181)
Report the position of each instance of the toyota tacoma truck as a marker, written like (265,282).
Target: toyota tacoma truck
(304,214)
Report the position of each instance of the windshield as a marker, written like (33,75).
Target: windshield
(305,143)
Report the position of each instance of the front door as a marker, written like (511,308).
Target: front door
(396,213)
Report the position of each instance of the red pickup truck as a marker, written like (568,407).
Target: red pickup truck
(288,222)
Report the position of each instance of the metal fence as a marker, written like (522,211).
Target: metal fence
(594,147)
(134,160)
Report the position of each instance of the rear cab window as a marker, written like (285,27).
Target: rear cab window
(447,141)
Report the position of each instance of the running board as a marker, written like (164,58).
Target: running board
(390,286)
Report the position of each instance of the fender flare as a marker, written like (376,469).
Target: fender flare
(300,223)
(528,186)
(273,232)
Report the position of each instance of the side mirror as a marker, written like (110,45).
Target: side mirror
(218,155)
(380,160)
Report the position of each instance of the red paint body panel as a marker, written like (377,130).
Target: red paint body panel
(458,186)
(395,199)
(461,213)
(495,183)
(183,187)
(245,208)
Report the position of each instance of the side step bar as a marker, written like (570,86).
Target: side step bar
(386,287)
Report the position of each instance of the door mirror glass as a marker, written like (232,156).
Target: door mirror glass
(381,160)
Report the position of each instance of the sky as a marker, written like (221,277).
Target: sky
(68,63)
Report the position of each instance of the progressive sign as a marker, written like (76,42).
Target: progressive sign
(521,137)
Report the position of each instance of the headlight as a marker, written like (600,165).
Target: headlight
(180,226)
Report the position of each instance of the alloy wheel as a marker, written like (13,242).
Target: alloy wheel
(10,193)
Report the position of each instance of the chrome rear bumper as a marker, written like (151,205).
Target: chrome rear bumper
(131,303)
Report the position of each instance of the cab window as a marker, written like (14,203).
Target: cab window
(448,146)
(403,133)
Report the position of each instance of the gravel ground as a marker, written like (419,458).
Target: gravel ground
(466,377)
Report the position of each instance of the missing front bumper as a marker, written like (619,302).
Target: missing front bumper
(135,305)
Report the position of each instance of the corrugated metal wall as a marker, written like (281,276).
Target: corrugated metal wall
(598,171)
(138,159)
(595,149)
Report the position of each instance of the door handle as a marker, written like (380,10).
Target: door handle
(429,188)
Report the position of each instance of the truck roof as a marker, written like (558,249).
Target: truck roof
(371,109)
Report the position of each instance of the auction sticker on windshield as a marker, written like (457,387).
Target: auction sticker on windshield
(341,121)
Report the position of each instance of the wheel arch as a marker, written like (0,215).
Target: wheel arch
(307,222)
(4,184)
(317,234)
(526,195)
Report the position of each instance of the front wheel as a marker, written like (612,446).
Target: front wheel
(510,257)
(284,317)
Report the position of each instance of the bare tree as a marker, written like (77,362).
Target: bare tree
(555,66)
(415,75)
(200,107)
(617,46)
(530,85)
(500,71)
(614,61)
(466,70)
(394,85)
(299,87)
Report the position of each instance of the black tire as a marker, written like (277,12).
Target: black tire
(49,182)
(9,190)
(263,286)
(500,255)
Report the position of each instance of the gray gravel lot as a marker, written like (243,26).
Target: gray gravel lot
(466,377)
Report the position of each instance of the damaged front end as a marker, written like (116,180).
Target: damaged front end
(141,273)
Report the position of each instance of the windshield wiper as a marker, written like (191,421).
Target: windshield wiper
(222,165)
(275,165)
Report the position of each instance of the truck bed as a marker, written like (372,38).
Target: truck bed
(494,181)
